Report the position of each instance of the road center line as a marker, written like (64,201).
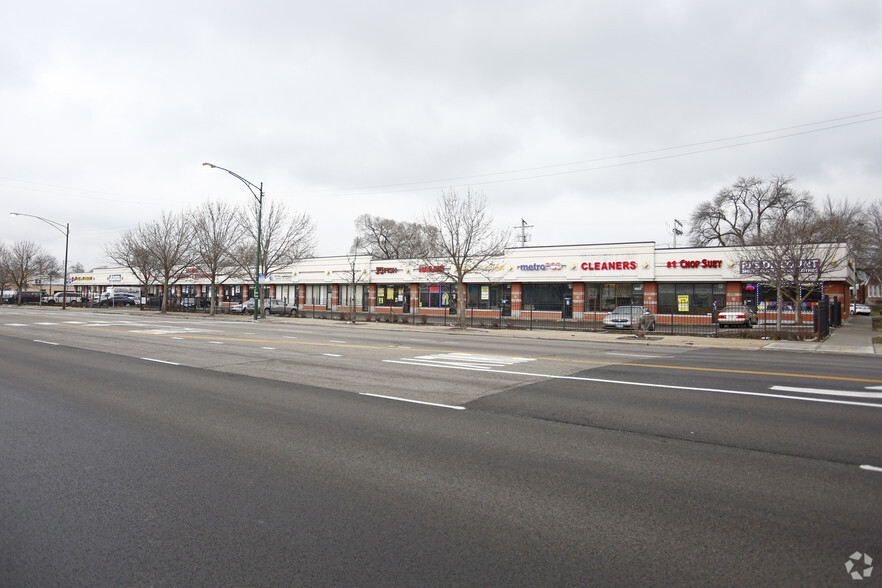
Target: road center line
(450,406)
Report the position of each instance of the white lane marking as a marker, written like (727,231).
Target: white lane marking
(16,325)
(286,337)
(46,324)
(45,342)
(871,468)
(159,361)
(874,387)
(334,341)
(332,354)
(450,406)
(269,348)
(216,342)
(178,338)
(636,355)
(828,392)
(74,323)
(651,385)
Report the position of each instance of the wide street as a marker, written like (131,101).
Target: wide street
(140,449)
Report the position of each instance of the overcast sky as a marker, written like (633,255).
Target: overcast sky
(593,121)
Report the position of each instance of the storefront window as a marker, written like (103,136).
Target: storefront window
(391,295)
(546,296)
(317,295)
(691,298)
(436,295)
(351,295)
(606,297)
(489,296)
(765,297)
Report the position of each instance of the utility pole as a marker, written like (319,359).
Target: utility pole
(523,237)
(677,231)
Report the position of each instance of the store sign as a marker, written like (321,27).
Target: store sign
(541,267)
(593,266)
(114,278)
(695,263)
(761,266)
(386,270)
(81,278)
(431,269)
(683,303)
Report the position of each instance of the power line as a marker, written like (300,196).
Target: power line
(412,186)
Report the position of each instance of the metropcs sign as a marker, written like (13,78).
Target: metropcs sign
(541,267)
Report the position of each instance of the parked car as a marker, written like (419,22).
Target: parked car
(273,306)
(270,306)
(117,300)
(629,317)
(857,308)
(737,315)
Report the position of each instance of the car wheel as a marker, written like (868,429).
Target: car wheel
(266,312)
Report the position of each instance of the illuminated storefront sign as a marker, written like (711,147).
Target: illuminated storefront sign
(759,266)
(386,270)
(593,266)
(433,269)
(541,267)
(694,263)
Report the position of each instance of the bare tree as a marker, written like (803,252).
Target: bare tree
(46,265)
(465,237)
(354,275)
(794,257)
(215,227)
(21,264)
(384,238)
(5,274)
(77,268)
(131,251)
(740,213)
(168,240)
(285,238)
(871,235)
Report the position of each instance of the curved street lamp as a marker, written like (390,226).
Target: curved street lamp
(259,197)
(64,229)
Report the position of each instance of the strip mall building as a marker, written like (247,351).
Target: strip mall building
(573,281)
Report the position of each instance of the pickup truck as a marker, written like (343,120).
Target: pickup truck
(71,297)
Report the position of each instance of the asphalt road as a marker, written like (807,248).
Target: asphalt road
(145,450)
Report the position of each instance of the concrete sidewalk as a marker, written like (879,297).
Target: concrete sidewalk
(855,336)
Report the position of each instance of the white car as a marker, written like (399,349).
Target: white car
(860,309)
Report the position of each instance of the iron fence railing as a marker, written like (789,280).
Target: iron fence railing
(810,324)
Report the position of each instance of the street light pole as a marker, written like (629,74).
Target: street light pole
(259,197)
(64,231)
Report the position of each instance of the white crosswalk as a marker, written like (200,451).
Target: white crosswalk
(464,361)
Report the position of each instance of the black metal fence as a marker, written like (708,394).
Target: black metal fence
(810,324)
